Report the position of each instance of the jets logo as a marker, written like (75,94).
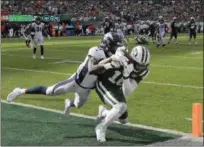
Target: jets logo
(135,53)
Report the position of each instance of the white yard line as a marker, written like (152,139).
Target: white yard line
(68,74)
(76,61)
(152,65)
(196,53)
(190,119)
(91,117)
(179,67)
(75,51)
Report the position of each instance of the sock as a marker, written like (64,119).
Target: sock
(34,50)
(42,50)
(105,112)
(36,90)
(28,42)
(72,103)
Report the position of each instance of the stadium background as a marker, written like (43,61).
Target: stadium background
(76,16)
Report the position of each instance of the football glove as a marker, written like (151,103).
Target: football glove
(127,70)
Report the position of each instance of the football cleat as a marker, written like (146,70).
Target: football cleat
(100,133)
(42,57)
(14,94)
(67,107)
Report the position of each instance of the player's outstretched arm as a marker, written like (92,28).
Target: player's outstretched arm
(104,65)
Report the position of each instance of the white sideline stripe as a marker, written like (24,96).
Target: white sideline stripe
(68,74)
(91,117)
(190,119)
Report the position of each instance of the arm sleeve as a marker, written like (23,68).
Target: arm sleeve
(130,84)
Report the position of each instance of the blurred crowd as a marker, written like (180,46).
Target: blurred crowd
(128,9)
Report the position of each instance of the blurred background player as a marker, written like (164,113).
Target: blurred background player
(38,27)
(161,31)
(28,34)
(192,27)
(152,30)
(174,30)
(107,25)
(121,28)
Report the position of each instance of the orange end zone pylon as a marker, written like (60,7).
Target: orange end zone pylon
(197,120)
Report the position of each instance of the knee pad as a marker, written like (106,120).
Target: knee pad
(121,107)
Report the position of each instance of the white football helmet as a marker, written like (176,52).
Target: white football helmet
(141,56)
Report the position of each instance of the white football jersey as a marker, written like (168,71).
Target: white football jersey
(38,28)
(162,27)
(120,27)
(83,78)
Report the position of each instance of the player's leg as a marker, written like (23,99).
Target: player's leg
(28,40)
(35,44)
(158,40)
(41,40)
(175,36)
(171,36)
(57,89)
(118,108)
(190,37)
(194,36)
(163,39)
(102,112)
(81,96)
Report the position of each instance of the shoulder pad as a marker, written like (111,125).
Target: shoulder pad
(96,53)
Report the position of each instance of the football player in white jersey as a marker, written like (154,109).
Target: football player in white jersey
(118,77)
(80,82)
(38,27)
(161,32)
(121,28)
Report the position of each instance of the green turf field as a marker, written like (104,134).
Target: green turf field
(163,100)
(32,127)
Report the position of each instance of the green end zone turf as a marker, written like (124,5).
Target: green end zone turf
(34,127)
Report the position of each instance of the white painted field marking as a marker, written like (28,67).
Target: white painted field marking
(68,74)
(190,119)
(178,56)
(91,117)
(75,61)
(153,65)
(38,71)
(66,61)
(81,52)
(12,55)
(179,67)
(196,53)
